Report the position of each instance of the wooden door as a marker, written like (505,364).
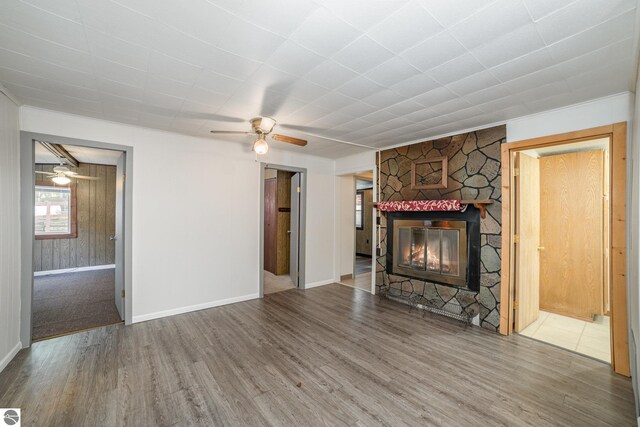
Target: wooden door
(527,198)
(571,264)
(270,225)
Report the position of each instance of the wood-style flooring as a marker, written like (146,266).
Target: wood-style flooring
(326,356)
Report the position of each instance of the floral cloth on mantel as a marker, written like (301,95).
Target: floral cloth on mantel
(422,205)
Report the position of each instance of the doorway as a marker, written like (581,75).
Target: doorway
(356,224)
(74,246)
(563,256)
(282,217)
(76,228)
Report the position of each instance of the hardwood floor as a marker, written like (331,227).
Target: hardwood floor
(327,356)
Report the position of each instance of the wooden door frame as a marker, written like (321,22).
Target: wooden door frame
(617,134)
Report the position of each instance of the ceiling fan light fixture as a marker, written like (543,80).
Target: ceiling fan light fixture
(61,180)
(263,124)
(260,146)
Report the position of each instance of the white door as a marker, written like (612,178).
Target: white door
(119,236)
(294,228)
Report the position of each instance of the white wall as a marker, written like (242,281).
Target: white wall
(9,232)
(196,213)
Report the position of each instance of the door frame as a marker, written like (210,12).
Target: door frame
(27,182)
(373,227)
(302,226)
(617,134)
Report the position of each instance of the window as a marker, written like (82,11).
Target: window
(55,212)
(359,210)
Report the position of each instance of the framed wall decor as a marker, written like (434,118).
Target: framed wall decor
(429,174)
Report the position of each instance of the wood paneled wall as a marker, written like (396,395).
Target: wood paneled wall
(363,237)
(95,223)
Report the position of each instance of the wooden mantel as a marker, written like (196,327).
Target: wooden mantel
(481,205)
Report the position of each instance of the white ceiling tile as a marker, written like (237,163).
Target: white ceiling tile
(42,24)
(363,14)
(252,42)
(456,69)
(405,107)
(65,8)
(594,59)
(607,33)
(202,96)
(217,82)
(362,55)
(360,88)
(434,51)
(118,72)
(449,12)
(358,109)
(392,72)
(45,50)
(174,69)
(324,33)
(119,89)
(473,83)
(609,71)
(30,80)
(488,94)
(117,50)
(334,101)
(483,25)
(435,96)
(523,65)
(158,83)
(579,16)
(405,28)
(306,91)
(511,45)
(117,21)
(294,59)
(115,102)
(279,16)
(331,120)
(451,106)
(330,74)
(541,8)
(162,100)
(28,64)
(415,85)
(533,80)
(38,89)
(201,19)
(384,98)
(379,116)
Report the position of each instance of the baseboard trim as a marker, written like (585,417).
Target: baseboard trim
(190,308)
(74,270)
(320,283)
(9,357)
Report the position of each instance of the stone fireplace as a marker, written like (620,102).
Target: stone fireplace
(437,275)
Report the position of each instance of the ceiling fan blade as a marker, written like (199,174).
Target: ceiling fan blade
(70,173)
(93,178)
(289,140)
(46,173)
(231,132)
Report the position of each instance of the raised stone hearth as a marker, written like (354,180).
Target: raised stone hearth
(473,173)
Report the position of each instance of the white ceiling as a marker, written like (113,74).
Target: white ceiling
(371,72)
(82,154)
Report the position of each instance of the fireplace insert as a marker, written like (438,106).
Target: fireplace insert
(438,247)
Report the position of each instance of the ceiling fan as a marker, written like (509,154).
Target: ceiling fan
(61,175)
(262,127)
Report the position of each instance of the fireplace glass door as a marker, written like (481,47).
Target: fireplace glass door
(433,250)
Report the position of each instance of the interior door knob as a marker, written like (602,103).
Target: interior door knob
(541,248)
(113,237)
(288,231)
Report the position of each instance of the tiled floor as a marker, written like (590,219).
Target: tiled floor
(589,338)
